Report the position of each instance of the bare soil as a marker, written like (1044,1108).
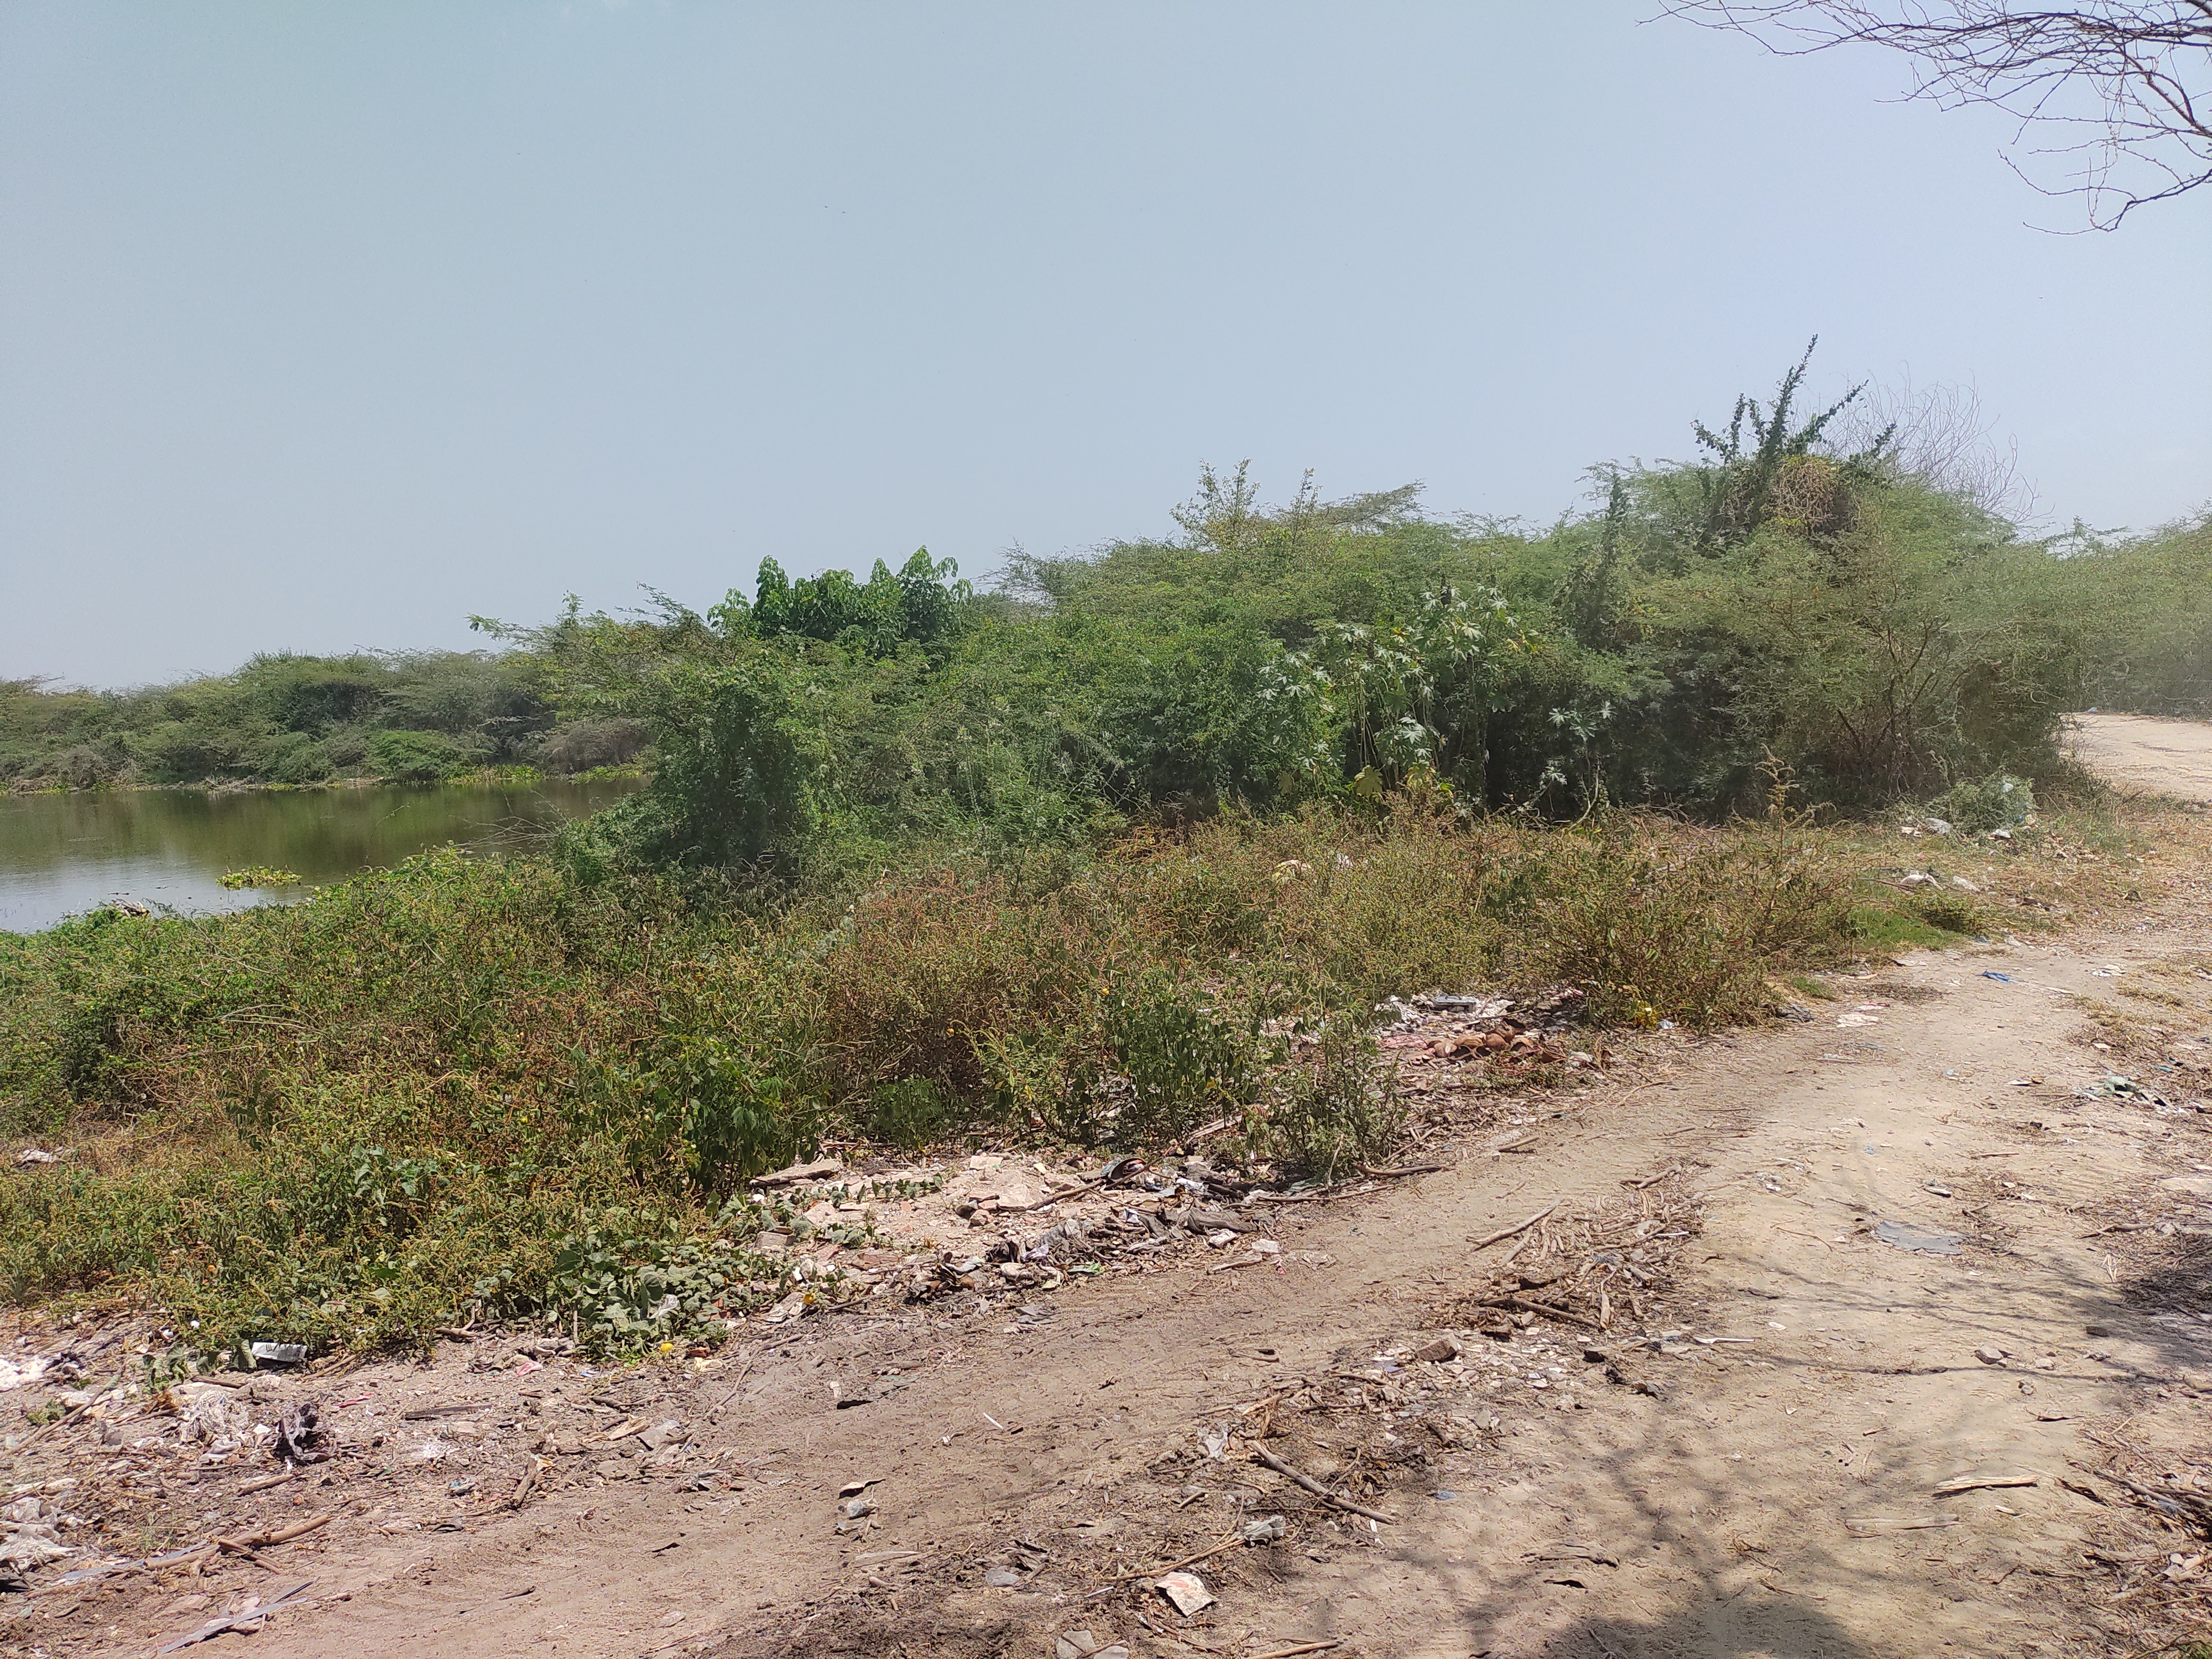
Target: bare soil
(1783,1293)
(2144,753)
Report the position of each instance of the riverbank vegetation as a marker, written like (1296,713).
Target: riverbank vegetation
(1138,839)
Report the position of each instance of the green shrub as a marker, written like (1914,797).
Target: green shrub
(909,1113)
(1185,1061)
(1340,1111)
(415,757)
(1999,801)
(1952,912)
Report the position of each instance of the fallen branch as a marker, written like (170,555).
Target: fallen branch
(262,1541)
(1304,1647)
(244,1551)
(1408,1169)
(1504,1233)
(1543,1309)
(1297,1477)
(1309,1197)
(1177,1566)
(1979,1482)
(1237,1261)
(267,1481)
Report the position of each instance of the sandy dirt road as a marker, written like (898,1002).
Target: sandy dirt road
(2142,752)
(1769,1480)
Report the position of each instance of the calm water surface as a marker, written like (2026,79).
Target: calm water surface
(61,855)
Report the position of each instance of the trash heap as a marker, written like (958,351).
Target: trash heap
(1001,1223)
(1447,1041)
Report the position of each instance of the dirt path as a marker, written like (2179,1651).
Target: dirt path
(2142,753)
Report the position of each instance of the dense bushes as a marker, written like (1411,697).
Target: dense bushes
(1782,607)
(1778,618)
(2153,596)
(282,719)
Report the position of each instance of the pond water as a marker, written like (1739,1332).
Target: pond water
(62,854)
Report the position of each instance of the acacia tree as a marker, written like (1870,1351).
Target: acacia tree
(2117,95)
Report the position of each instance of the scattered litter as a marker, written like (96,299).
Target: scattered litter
(1187,1591)
(1082,1645)
(1267,1530)
(2122,1088)
(1938,1189)
(854,1488)
(245,1621)
(2002,979)
(277,1354)
(37,1155)
(15,1374)
(1002,1578)
(298,1435)
(1906,1236)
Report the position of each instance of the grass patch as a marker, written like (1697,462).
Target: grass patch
(1886,927)
(525,1088)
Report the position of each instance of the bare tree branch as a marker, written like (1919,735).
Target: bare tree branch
(2119,94)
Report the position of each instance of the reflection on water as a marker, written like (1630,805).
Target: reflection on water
(61,855)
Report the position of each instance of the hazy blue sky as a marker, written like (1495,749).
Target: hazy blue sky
(326,325)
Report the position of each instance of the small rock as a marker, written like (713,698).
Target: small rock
(1002,1578)
(672,1617)
(1436,1352)
(2096,1330)
(1989,1355)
